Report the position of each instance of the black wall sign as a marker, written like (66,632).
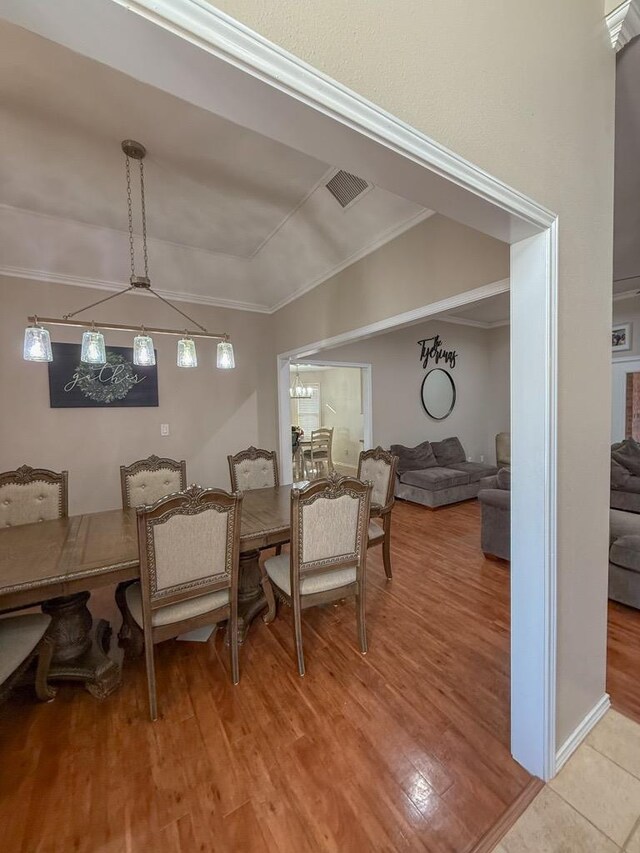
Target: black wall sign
(431,350)
(73,385)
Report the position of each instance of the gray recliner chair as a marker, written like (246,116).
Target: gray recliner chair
(495,504)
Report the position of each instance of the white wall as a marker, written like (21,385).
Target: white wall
(481,376)
(628,311)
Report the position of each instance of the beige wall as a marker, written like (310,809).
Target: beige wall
(434,260)
(210,412)
(482,386)
(525,90)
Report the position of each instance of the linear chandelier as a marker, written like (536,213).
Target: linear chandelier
(298,391)
(37,341)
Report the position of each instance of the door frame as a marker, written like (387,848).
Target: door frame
(284,406)
(181,46)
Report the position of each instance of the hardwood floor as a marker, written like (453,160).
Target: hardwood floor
(623,654)
(404,749)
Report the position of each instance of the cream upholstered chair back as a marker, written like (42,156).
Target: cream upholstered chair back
(329,522)
(253,469)
(146,481)
(378,467)
(189,545)
(503,450)
(30,494)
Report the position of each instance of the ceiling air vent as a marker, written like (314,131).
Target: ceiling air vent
(346,188)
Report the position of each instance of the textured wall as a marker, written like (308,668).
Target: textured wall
(524,90)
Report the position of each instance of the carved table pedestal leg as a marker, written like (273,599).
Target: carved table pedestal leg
(78,655)
(251,596)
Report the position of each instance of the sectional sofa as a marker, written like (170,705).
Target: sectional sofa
(437,473)
(625,475)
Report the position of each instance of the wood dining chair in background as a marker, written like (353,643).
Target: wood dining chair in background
(189,546)
(147,480)
(379,468)
(28,495)
(319,452)
(327,561)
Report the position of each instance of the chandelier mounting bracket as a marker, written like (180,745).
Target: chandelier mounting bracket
(133,149)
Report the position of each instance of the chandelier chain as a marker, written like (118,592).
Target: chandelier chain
(130,213)
(144,221)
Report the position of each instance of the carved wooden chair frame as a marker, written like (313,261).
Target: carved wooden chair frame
(26,474)
(383,512)
(252,454)
(151,463)
(331,488)
(43,652)
(192,501)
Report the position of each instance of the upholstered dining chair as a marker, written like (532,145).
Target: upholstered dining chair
(28,495)
(22,639)
(144,482)
(379,468)
(253,469)
(319,452)
(328,555)
(189,546)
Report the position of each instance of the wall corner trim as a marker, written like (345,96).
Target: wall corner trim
(581,731)
(623,23)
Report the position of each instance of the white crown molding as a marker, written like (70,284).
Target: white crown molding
(476,324)
(582,730)
(101,284)
(627,294)
(390,234)
(624,23)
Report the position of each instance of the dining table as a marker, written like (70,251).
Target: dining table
(55,564)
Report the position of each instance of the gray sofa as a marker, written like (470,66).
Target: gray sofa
(625,475)
(624,557)
(437,473)
(495,505)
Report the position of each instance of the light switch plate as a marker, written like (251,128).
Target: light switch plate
(164,429)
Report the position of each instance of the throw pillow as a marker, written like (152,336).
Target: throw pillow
(449,451)
(414,458)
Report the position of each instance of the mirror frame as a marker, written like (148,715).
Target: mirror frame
(453,386)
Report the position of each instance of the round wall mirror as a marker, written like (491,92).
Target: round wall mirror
(438,394)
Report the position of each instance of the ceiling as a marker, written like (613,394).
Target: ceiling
(626,242)
(234,218)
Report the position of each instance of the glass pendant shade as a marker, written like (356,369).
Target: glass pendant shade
(93,348)
(187,353)
(37,344)
(143,352)
(225,359)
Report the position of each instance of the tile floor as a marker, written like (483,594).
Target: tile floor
(593,804)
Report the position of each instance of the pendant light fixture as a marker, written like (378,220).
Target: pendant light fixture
(298,391)
(37,341)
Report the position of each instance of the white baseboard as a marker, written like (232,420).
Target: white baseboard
(579,734)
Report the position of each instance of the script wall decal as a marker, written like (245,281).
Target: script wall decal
(433,351)
(118,383)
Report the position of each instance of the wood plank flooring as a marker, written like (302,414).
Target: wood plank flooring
(405,749)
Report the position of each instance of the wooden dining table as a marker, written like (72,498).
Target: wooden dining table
(57,563)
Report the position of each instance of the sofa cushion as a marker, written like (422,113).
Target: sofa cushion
(504,479)
(434,479)
(625,552)
(627,454)
(475,470)
(414,458)
(448,451)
